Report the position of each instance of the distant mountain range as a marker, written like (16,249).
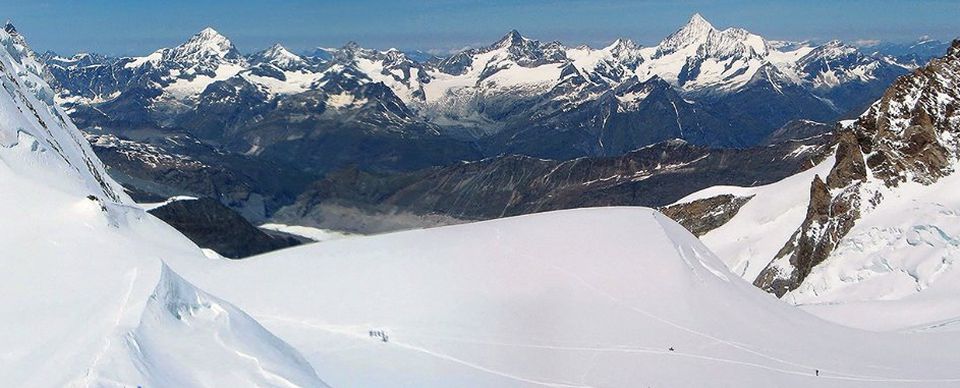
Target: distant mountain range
(388,111)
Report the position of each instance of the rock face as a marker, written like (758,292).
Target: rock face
(653,176)
(704,215)
(796,130)
(211,225)
(910,134)
(155,166)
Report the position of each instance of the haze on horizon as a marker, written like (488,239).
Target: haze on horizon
(442,26)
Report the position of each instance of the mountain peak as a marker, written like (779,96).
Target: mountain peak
(206,44)
(209,35)
(512,38)
(622,44)
(351,46)
(696,31)
(278,53)
(699,21)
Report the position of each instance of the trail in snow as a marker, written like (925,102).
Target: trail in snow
(805,372)
(650,350)
(357,333)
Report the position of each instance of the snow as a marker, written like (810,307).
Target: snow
(189,87)
(294,82)
(136,62)
(516,75)
(315,234)
(403,90)
(344,100)
(154,205)
(182,326)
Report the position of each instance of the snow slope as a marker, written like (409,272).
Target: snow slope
(84,297)
(588,297)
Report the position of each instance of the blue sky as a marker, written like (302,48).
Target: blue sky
(138,27)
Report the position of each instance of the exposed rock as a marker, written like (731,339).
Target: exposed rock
(211,225)
(797,130)
(704,215)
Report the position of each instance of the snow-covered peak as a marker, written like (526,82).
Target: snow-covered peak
(622,44)
(280,57)
(696,31)
(698,21)
(832,50)
(625,52)
(698,37)
(512,38)
(206,45)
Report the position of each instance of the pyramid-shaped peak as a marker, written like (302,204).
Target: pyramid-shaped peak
(696,31)
(696,26)
(209,37)
(623,43)
(277,51)
(512,38)
(697,20)
(209,32)
(205,45)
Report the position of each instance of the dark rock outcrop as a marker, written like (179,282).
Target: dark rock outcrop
(704,215)
(211,225)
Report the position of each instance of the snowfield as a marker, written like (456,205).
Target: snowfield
(589,297)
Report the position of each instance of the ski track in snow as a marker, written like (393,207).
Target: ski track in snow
(806,368)
(356,334)
(824,373)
